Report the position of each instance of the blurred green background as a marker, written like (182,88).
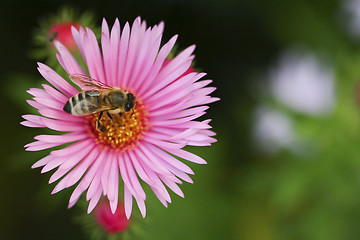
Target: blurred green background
(307,187)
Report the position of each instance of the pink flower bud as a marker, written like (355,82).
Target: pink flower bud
(62,33)
(112,223)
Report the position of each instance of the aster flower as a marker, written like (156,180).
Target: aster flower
(146,142)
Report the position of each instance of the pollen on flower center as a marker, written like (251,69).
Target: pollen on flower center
(122,132)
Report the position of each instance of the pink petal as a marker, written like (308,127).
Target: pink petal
(141,205)
(177,121)
(127,202)
(78,36)
(167,79)
(95,185)
(106,171)
(169,167)
(184,134)
(174,87)
(60,115)
(184,125)
(176,62)
(113,184)
(186,155)
(139,169)
(148,52)
(133,177)
(55,94)
(43,161)
(37,146)
(71,204)
(63,126)
(157,184)
(168,109)
(66,164)
(72,149)
(65,138)
(125,176)
(94,200)
(151,138)
(114,52)
(159,196)
(131,52)
(175,188)
(159,29)
(138,60)
(33,118)
(34,104)
(196,111)
(94,58)
(200,101)
(114,205)
(161,56)
(182,175)
(170,159)
(56,80)
(31,124)
(51,103)
(123,52)
(55,162)
(147,158)
(88,178)
(67,61)
(106,52)
(80,169)
(37,92)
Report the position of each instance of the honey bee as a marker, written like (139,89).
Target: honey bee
(98,97)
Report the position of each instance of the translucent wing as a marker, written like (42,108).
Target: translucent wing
(87,83)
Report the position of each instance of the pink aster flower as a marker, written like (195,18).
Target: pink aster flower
(145,143)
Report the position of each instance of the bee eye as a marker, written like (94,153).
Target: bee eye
(130,103)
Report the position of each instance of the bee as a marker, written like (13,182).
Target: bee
(98,97)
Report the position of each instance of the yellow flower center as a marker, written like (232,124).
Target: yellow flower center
(122,132)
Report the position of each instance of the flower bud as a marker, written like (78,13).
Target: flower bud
(62,33)
(111,223)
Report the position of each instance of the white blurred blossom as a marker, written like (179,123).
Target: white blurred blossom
(272,130)
(351,11)
(304,83)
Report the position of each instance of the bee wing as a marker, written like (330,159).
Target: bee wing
(92,108)
(87,83)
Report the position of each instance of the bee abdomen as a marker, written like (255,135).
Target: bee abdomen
(67,107)
(81,104)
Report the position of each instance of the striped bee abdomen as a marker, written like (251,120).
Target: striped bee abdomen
(84,103)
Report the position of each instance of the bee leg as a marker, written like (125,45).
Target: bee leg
(133,109)
(120,114)
(99,126)
(109,115)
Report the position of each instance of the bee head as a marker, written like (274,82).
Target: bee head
(130,102)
